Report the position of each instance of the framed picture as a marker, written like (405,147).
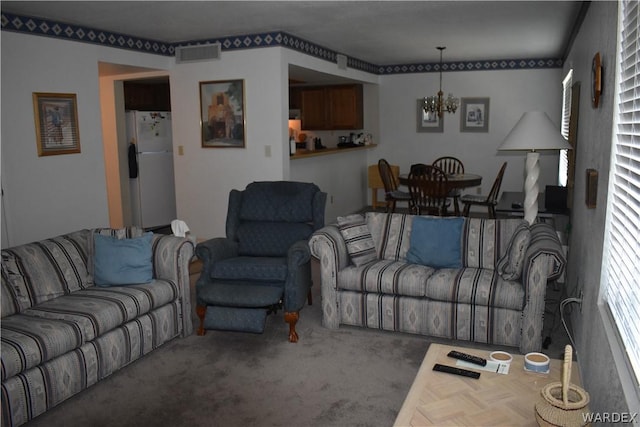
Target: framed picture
(474,115)
(56,120)
(222,114)
(428,121)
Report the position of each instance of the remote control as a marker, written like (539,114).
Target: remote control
(456,371)
(468,358)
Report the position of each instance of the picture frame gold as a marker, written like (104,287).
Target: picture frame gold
(56,122)
(222,117)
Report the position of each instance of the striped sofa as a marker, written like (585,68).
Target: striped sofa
(61,334)
(473,303)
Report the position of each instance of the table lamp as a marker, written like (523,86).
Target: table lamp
(534,132)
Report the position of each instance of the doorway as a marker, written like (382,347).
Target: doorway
(112,79)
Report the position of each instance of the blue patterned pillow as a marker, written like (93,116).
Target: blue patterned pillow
(436,242)
(122,261)
(510,265)
(357,236)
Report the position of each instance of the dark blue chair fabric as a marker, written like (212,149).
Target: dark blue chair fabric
(268,226)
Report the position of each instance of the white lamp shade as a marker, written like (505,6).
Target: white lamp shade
(534,131)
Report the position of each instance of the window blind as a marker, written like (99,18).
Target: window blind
(621,267)
(563,166)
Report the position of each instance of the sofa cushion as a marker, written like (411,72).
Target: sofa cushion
(485,241)
(123,261)
(357,237)
(510,264)
(65,323)
(474,286)
(387,277)
(118,233)
(391,234)
(37,272)
(436,242)
(278,201)
(264,238)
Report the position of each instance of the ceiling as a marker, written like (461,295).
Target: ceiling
(379,32)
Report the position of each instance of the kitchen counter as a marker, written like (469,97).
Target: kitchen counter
(303,154)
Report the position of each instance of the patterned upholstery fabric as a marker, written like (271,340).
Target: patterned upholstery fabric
(67,334)
(359,241)
(510,265)
(471,303)
(37,272)
(268,225)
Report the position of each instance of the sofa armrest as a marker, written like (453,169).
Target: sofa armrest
(171,258)
(328,245)
(544,261)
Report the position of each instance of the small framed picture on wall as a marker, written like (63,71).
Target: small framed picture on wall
(428,121)
(56,120)
(474,115)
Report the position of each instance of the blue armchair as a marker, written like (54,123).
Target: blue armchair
(264,262)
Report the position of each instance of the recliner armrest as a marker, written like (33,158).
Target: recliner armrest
(298,254)
(216,249)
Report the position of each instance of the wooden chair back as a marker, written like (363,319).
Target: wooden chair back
(450,165)
(492,197)
(389,180)
(429,188)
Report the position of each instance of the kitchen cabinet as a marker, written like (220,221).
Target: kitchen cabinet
(332,107)
(147,96)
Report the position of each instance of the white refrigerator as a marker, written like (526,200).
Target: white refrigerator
(153,198)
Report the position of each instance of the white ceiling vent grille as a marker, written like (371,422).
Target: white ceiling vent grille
(201,52)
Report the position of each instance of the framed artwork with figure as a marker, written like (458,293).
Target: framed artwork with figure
(222,114)
(56,120)
(474,115)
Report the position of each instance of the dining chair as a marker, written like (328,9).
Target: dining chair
(451,165)
(390,182)
(429,190)
(490,200)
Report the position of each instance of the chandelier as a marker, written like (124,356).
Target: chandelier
(437,104)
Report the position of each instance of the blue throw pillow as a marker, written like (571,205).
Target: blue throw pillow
(436,242)
(122,261)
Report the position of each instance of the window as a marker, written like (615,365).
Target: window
(563,166)
(621,259)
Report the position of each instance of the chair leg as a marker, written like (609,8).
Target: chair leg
(456,206)
(309,298)
(492,212)
(291,317)
(200,311)
(467,208)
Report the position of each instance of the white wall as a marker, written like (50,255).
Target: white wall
(46,196)
(204,176)
(511,93)
(595,127)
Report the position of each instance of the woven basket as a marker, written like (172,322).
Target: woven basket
(562,403)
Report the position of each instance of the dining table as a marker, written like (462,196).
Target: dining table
(455,181)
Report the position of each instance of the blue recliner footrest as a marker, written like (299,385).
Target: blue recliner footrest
(240,295)
(235,319)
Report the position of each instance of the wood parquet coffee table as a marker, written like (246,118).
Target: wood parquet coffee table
(441,399)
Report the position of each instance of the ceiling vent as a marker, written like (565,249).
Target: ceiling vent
(201,52)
